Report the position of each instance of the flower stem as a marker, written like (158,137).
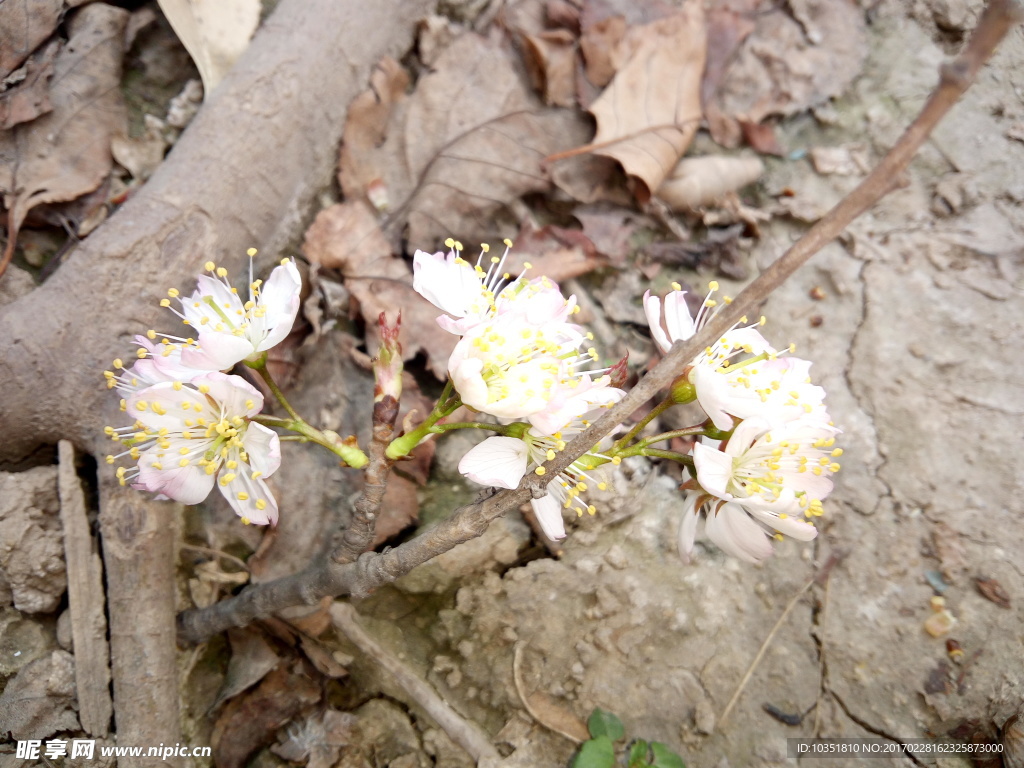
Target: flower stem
(446,405)
(638,450)
(260,366)
(501,430)
(698,429)
(656,411)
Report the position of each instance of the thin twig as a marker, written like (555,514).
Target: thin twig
(824,573)
(467,734)
(372,570)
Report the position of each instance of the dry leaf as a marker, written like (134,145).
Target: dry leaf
(66,153)
(761,138)
(554,252)
(950,550)
(252,659)
(27,94)
(598,44)
(214,32)
(320,655)
(24,25)
(551,61)
(467,142)
(792,62)
(610,229)
(849,160)
(366,128)
(700,181)
(346,237)
(649,113)
(993,591)
(250,722)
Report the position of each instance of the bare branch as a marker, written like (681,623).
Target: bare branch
(372,570)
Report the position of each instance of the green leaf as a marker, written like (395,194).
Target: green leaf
(665,757)
(602,723)
(596,753)
(638,755)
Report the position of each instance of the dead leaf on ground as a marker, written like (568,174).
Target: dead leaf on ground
(610,229)
(553,252)
(24,26)
(761,138)
(650,112)
(250,721)
(66,153)
(321,657)
(542,707)
(469,141)
(25,93)
(252,659)
(718,253)
(346,237)
(214,32)
(729,22)
(699,181)
(800,54)
(992,591)
(551,61)
(366,127)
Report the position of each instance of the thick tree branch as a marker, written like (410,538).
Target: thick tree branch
(372,570)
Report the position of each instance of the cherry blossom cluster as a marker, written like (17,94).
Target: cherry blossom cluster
(767,467)
(522,359)
(193,423)
(764,456)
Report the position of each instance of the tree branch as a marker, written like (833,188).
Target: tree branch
(373,570)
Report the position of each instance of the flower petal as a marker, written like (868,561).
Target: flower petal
(280,299)
(216,351)
(799,529)
(189,484)
(688,526)
(498,461)
(236,396)
(677,317)
(549,515)
(714,470)
(652,308)
(251,499)
(736,534)
(263,447)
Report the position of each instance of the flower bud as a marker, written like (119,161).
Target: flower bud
(682,391)
(387,366)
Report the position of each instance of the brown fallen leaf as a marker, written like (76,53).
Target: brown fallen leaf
(650,112)
(553,252)
(28,97)
(599,44)
(992,591)
(610,229)
(465,144)
(346,237)
(66,153)
(551,61)
(252,659)
(761,138)
(250,721)
(366,128)
(700,181)
(24,25)
(793,61)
